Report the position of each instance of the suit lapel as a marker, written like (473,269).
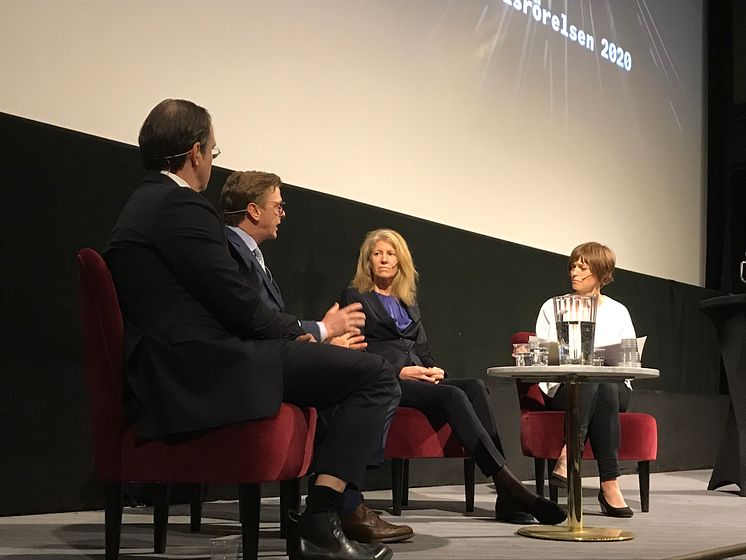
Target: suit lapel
(252,264)
(380,311)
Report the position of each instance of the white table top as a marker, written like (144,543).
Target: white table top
(567,373)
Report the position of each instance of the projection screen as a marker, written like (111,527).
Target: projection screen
(547,123)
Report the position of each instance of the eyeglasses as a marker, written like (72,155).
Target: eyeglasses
(279,207)
(215,152)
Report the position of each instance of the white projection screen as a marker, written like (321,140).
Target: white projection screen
(543,123)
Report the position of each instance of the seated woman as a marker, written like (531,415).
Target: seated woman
(591,268)
(385,283)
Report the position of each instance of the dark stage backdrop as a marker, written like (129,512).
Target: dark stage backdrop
(62,191)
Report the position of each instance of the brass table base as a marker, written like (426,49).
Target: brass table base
(564,533)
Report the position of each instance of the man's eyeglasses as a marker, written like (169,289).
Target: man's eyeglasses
(215,152)
(279,207)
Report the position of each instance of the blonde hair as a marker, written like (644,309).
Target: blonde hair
(404,285)
(599,258)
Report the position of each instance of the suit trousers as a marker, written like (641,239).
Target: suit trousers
(600,405)
(360,386)
(463,403)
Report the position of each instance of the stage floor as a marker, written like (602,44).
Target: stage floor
(685,520)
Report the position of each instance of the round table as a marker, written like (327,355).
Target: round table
(572,376)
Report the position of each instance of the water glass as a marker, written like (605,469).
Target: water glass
(522,354)
(629,355)
(599,355)
(225,549)
(539,352)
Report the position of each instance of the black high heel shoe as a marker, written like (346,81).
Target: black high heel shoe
(612,511)
(557,480)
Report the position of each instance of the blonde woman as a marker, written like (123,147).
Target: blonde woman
(386,284)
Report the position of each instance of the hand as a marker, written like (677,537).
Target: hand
(308,337)
(338,321)
(418,373)
(436,374)
(352,340)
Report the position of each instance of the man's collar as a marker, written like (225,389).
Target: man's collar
(176,179)
(245,237)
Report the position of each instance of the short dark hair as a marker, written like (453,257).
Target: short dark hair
(243,187)
(599,258)
(171,128)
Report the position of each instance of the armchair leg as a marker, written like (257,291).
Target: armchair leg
(248,505)
(469,483)
(405,484)
(161,499)
(113,518)
(397,476)
(643,474)
(289,500)
(553,490)
(196,496)
(539,475)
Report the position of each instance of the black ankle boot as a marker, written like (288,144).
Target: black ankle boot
(509,510)
(319,536)
(547,512)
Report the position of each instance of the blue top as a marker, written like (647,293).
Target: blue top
(397,311)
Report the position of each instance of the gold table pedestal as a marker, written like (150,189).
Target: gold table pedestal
(572,376)
(564,533)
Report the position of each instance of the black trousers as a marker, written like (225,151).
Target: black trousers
(600,405)
(361,387)
(462,402)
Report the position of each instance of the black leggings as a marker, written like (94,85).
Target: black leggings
(600,405)
(462,402)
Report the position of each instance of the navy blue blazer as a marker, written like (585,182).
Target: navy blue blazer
(401,348)
(249,266)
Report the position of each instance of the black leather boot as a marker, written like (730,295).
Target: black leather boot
(319,536)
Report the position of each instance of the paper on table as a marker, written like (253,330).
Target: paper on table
(613,352)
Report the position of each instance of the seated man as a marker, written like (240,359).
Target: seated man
(201,347)
(253,208)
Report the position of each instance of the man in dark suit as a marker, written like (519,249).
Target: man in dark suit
(253,209)
(202,348)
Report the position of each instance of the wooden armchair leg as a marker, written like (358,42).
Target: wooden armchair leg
(397,480)
(196,497)
(539,476)
(289,500)
(553,490)
(405,484)
(469,483)
(643,474)
(249,503)
(113,518)
(161,499)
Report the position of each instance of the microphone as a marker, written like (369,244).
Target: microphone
(588,276)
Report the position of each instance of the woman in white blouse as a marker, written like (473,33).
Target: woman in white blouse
(591,267)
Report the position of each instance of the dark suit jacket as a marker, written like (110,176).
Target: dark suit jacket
(401,349)
(202,349)
(252,271)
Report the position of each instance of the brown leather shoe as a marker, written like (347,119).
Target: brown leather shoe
(364,525)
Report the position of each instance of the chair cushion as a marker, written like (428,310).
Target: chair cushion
(412,436)
(271,449)
(542,435)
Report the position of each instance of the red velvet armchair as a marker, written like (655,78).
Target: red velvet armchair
(277,448)
(412,436)
(542,436)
